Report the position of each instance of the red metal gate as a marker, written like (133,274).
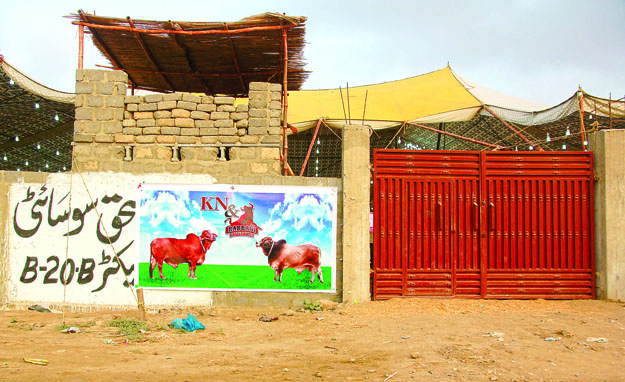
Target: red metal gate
(483,224)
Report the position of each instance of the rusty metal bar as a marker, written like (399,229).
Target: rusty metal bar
(312,143)
(236,61)
(182,32)
(456,136)
(285,101)
(81,45)
(148,54)
(509,126)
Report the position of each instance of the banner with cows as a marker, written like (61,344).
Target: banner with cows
(223,237)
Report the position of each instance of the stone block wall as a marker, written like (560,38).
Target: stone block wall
(176,132)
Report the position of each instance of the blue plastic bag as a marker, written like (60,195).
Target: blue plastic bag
(189,324)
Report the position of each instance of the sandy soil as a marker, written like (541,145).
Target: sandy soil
(397,340)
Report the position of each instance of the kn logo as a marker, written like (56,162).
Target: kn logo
(244,224)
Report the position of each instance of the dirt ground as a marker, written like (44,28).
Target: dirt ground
(396,340)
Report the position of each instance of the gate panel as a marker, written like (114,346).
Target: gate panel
(389,280)
(467,257)
(428,209)
(539,225)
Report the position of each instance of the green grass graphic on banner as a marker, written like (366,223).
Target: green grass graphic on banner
(212,276)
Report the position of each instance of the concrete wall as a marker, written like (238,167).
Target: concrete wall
(121,141)
(608,146)
(6,179)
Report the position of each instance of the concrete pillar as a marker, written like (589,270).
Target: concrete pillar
(609,213)
(356,178)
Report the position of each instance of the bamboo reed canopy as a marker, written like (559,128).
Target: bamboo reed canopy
(201,57)
(36,124)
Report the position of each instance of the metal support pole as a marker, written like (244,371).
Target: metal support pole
(496,147)
(312,143)
(438,141)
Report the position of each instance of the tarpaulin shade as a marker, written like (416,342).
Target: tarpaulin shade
(439,96)
(403,100)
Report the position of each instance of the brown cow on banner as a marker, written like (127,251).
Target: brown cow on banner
(191,250)
(280,255)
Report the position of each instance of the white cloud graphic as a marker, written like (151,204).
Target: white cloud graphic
(305,210)
(167,206)
(271,226)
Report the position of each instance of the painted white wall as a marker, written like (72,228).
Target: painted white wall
(39,249)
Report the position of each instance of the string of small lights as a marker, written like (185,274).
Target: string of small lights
(39,151)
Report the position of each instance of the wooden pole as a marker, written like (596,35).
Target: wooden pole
(81,45)
(183,32)
(365,107)
(610,109)
(349,109)
(580,98)
(285,102)
(141,304)
(201,75)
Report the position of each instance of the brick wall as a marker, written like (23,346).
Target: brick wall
(176,132)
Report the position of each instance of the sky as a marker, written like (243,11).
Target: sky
(540,50)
